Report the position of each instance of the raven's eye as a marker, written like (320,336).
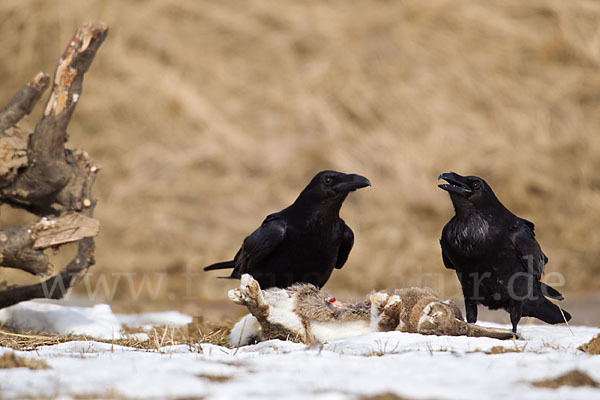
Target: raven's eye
(328,180)
(476,185)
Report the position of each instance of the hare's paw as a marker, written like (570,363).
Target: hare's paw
(381,301)
(378,301)
(393,306)
(390,317)
(235,295)
(385,311)
(250,290)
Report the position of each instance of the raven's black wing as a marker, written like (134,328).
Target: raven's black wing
(345,246)
(527,248)
(259,245)
(447,262)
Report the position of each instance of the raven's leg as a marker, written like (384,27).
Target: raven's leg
(516,310)
(471,310)
(470,293)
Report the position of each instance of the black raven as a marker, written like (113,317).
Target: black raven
(303,242)
(495,255)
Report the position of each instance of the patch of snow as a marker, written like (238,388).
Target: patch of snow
(141,336)
(171,318)
(98,321)
(406,364)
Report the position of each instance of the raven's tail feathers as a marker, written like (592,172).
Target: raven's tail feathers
(546,311)
(220,265)
(551,292)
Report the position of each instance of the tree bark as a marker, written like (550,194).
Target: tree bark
(40,175)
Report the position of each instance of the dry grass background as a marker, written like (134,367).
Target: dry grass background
(206,116)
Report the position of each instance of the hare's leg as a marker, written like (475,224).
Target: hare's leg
(378,302)
(249,329)
(495,333)
(252,297)
(385,311)
(274,309)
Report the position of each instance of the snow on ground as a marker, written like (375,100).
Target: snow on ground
(97,321)
(409,365)
(151,319)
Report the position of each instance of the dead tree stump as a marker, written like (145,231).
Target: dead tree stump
(40,175)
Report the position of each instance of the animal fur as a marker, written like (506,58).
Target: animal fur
(304,313)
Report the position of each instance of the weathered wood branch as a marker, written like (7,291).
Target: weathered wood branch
(38,174)
(23,102)
(48,184)
(59,285)
(23,247)
(13,141)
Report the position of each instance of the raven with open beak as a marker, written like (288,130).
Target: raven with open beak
(497,259)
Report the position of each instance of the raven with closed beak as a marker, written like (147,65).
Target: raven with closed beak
(495,255)
(303,242)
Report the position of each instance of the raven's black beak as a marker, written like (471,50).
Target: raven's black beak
(456,183)
(350,183)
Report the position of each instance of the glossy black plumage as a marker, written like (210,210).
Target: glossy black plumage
(303,242)
(497,259)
